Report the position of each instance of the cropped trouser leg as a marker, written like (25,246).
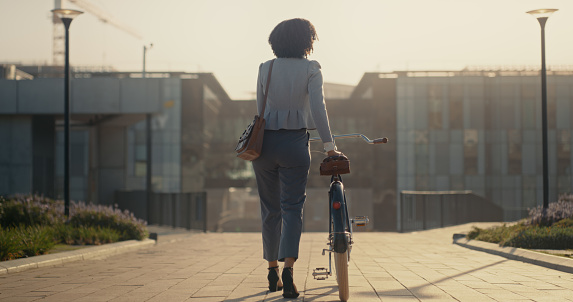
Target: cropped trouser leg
(282,172)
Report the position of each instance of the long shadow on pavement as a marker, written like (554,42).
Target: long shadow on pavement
(416,289)
(308,296)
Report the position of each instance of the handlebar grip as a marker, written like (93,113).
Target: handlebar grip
(381,140)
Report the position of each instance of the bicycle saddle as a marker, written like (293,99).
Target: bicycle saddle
(334,165)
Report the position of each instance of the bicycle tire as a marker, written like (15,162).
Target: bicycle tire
(341,266)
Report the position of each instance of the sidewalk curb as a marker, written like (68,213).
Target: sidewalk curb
(549,261)
(22,264)
(171,238)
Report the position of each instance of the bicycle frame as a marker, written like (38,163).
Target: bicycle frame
(339,229)
(340,225)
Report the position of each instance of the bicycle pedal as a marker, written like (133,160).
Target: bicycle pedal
(360,220)
(320,273)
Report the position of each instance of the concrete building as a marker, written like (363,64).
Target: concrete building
(451,130)
(106,138)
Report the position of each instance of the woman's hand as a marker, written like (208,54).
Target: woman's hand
(334,153)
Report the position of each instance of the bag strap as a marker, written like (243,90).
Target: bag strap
(267,88)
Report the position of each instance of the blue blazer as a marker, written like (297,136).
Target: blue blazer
(296,97)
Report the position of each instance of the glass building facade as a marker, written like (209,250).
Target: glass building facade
(453,130)
(481,131)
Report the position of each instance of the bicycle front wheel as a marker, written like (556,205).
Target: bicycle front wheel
(341,266)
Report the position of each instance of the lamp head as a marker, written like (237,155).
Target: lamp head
(66,13)
(542,13)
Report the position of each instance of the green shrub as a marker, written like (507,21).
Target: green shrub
(84,235)
(550,228)
(495,234)
(10,245)
(25,241)
(106,217)
(31,225)
(556,211)
(30,210)
(36,240)
(64,233)
(559,238)
(565,223)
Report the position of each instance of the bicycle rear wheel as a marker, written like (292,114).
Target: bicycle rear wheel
(341,266)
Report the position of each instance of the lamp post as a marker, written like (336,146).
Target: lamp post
(542,15)
(67,15)
(148,146)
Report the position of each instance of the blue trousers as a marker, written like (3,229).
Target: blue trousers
(282,172)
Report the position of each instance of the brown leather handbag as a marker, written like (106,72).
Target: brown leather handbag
(335,165)
(251,141)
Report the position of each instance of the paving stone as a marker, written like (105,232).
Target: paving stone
(419,266)
(20,298)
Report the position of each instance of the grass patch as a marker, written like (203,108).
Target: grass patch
(32,225)
(548,229)
(25,241)
(85,235)
(559,236)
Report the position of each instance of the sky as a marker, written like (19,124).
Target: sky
(229,37)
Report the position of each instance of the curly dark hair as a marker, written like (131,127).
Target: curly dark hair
(293,38)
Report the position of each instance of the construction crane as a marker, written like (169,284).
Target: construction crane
(58,47)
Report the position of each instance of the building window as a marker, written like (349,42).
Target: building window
(456,106)
(422,164)
(551,107)
(507,106)
(563,152)
(140,154)
(435,97)
(471,152)
(442,159)
(422,182)
(514,152)
(421,152)
(528,95)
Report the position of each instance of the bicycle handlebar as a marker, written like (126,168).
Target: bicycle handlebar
(376,141)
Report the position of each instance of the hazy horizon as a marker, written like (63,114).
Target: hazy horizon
(229,38)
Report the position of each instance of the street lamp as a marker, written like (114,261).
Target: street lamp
(67,15)
(542,15)
(145,49)
(148,183)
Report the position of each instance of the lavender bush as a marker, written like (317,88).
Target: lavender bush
(559,236)
(555,212)
(543,229)
(30,210)
(124,222)
(85,235)
(32,224)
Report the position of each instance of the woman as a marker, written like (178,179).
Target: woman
(295,103)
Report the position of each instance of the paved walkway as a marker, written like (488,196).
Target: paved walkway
(422,266)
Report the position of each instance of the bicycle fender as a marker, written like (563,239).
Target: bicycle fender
(340,242)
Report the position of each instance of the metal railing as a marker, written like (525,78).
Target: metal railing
(179,210)
(422,210)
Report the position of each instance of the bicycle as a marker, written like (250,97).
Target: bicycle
(340,228)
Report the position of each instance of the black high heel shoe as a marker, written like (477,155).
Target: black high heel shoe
(273,278)
(289,290)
